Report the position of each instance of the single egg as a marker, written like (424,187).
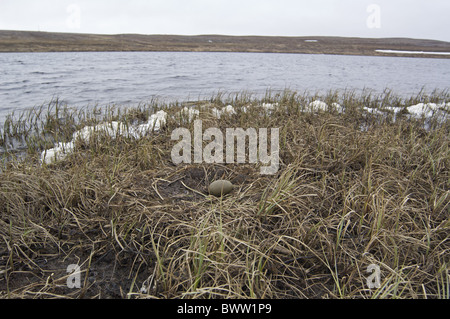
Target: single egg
(220,188)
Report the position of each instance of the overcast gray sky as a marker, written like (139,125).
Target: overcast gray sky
(428,19)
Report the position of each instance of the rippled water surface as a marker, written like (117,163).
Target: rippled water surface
(88,78)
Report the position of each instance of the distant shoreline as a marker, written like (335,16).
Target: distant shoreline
(31,41)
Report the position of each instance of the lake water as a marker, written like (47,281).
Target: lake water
(89,78)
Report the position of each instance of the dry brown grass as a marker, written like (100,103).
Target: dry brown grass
(140,227)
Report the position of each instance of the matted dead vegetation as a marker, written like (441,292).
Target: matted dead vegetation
(354,188)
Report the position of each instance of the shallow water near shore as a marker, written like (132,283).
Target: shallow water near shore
(128,78)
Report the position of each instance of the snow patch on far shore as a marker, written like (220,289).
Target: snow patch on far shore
(412,52)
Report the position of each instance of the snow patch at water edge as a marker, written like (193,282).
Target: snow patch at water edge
(112,129)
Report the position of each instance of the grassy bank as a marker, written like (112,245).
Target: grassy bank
(361,181)
(29,41)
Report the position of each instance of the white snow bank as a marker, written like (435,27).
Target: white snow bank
(427,111)
(394,109)
(373,111)
(317,106)
(337,107)
(158,120)
(438,112)
(269,106)
(412,52)
(154,123)
(112,129)
(216,112)
(423,109)
(229,109)
(58,153)
(190,112)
